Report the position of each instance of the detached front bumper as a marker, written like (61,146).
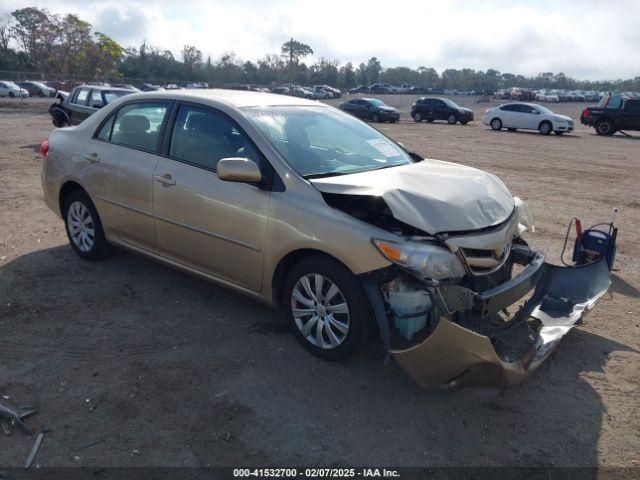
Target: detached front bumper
(453,355)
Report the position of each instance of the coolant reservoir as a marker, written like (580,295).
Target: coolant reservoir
(410,311)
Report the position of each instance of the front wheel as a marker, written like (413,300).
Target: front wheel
(84,227)
(452,119)
(417,117)
(326,307)
(545,128)
(11,94)
(496,124)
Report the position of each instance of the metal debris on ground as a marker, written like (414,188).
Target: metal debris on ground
(90,444)
(34,450)
(16,415)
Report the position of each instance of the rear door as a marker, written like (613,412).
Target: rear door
(440,110)
(121,160)
(78,106)
(208,224)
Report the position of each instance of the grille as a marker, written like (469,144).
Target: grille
(482,261)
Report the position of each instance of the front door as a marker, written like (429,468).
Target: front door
(201,221)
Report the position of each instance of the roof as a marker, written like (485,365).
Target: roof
(235,98)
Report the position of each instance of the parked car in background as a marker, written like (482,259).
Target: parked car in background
(38,89)
(10,89)
(371,109)
(431,109)
(527,116)
(382,88)
(82,102)
(547,96)
(323,217)
(321,93)
(360,89)
(303,92)
(615,112)
(281,90)
(148,87)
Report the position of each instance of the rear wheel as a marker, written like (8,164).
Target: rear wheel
(375,118)
(84,228)
(452,119)
(605,127)
(326,307)
(417,117)
(496,124)
(545,128)
(11,94)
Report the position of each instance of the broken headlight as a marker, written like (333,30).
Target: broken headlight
(425,259)
(525,219)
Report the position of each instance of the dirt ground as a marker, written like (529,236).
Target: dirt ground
(164,369)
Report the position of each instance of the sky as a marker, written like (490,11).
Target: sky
(587,39)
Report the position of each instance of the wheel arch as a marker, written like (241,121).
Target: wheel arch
(546,120)
(286,263)
(67,189)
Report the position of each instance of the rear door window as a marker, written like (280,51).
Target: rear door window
(81,96)
(138,125)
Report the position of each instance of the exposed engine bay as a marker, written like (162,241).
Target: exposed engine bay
(493,325)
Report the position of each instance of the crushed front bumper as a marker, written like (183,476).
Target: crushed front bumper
(453,355)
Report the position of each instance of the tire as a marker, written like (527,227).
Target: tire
(59,120)
(11,94)
(496,124)
(349,329)
(79,210)
(375,118)
(512,129)
(605,127)
(452,119)
(417,117)
(545,127)
(40,94)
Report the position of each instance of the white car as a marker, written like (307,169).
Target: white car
(527,116)
(10,89)
(547,96)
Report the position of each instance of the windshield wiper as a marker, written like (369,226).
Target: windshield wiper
(325,174)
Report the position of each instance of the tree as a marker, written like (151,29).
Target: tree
(6,32)
(373,70)
(348,76)
(294,51)
(36,31)
(191,57)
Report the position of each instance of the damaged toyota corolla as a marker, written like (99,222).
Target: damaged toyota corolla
(319,214)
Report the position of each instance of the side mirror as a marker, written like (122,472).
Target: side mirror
(235,169)
(97,105)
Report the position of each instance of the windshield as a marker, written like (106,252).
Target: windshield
(450,103)
(322,142)
(540,108)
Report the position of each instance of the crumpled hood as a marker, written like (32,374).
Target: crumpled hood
(431,195)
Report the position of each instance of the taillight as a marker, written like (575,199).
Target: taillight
(44,148)
(586,112)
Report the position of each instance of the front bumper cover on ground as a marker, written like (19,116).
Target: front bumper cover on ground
(455,356)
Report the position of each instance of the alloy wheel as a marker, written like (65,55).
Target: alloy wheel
(320,311)
(81,226)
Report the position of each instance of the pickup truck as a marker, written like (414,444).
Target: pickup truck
(614,112)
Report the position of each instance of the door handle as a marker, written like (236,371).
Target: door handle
(166,180)
(93,158)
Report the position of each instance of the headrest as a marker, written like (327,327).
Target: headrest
(134,123)
(200,122)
